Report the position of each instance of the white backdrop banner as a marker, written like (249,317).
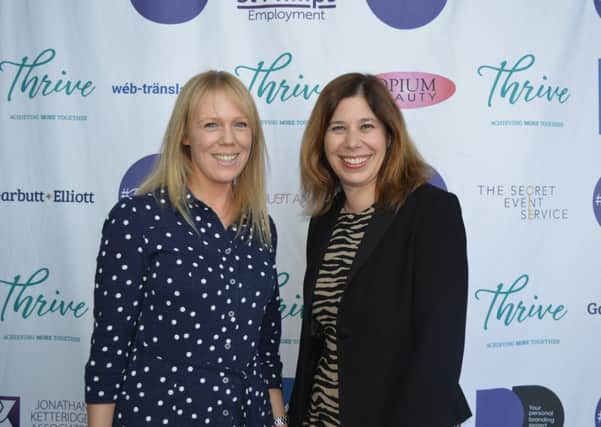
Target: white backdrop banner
(502,98)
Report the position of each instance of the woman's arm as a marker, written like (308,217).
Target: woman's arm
(100,414)
(269,346)
(117,295)
(439,304)
(277,403)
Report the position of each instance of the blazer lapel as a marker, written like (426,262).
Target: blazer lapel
(376,229)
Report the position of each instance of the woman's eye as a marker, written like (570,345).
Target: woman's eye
(241,125)
(210,125)
(366,126)
(337,128)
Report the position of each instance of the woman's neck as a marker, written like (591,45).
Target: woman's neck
(358,199)
(220,199)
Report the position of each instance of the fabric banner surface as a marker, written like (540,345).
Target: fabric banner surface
(503,99)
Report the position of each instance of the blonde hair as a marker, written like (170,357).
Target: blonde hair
(174,166)
(403,168)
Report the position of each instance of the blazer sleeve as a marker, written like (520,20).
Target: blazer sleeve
(304,375)
(439,302)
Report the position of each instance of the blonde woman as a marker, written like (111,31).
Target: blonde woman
(187,326)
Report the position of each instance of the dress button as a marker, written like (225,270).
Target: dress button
(226,380)
(225,412)
(232,281)
(231,313)
(228,251)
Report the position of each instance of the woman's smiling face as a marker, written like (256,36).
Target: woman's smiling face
(355,144)
(220,139)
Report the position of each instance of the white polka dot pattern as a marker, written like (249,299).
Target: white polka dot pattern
(187,325)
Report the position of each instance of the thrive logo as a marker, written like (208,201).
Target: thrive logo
(265,85)
(508,305)
(24,299)
(9,411)
(29,78)
(526,405)
(597,201)
(169,12)
(416,89)
(136,175)
(406,14)
(513,84)
(289,308)
(286,10)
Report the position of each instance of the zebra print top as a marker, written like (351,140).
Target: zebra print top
(329,288)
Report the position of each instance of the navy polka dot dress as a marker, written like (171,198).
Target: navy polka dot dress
(187,326)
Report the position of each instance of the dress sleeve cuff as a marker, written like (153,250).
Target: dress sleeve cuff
(103,389)
(272,372)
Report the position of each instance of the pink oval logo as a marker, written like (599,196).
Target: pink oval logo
(416,89)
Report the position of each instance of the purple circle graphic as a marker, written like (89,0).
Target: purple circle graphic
(597,201)
(598,415)
(598,6)
(436,180)
(136,174)
(498,407)
(169,12)
(406,14)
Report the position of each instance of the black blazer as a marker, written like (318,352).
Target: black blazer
(401,321)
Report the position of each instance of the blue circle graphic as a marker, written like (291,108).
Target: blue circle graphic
(136,174)
(406,14)
(169,11)
(597,201)
(287,384)
(436,180)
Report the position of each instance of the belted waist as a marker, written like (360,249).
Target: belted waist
(244,371)
(244,381)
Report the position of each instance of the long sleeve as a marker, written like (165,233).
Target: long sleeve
(118,286)
(440,285)
(271,329)
(302,382)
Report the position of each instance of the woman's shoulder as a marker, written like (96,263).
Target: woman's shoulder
(433,205)
(137,206)
(140,200)
(428,194)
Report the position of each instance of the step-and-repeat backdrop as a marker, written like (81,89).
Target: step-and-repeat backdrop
(501,97)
